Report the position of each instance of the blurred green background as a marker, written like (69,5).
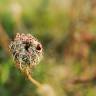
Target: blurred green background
(67,30)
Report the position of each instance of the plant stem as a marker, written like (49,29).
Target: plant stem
(33,80)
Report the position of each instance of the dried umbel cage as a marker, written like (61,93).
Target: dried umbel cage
(27,51)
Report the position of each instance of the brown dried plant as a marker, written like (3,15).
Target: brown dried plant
(27,52)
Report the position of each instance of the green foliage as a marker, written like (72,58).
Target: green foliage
(5,72)
(60,33)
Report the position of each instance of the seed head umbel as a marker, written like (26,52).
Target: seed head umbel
(26,50)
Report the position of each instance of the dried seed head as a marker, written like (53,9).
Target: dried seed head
(26,50)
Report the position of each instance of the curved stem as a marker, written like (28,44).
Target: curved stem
(27,73)
(33,80)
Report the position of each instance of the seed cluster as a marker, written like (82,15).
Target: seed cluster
(26,50)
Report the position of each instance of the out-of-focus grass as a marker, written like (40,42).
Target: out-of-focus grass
(62,27)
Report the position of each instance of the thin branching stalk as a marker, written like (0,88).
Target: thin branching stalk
(33,80)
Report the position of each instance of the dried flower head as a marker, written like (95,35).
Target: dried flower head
(26,50)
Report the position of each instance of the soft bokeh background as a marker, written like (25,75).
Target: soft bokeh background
(67,30)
